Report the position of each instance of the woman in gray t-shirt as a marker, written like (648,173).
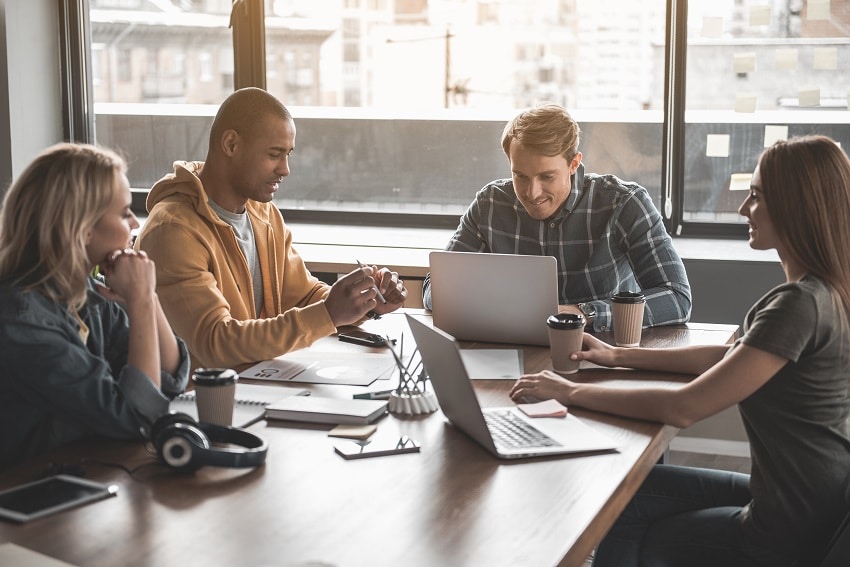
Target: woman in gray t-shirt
(789,374)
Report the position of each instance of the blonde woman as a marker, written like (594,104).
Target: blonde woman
(79,357)
(789,374)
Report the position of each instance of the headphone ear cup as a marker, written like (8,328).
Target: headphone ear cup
(179,440)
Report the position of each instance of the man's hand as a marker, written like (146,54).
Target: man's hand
(356,294)
(392,288)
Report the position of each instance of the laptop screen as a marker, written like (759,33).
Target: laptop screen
(502,298)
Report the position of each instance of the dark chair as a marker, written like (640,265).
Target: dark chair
(838,550)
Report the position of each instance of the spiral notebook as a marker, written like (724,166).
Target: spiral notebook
(250,405)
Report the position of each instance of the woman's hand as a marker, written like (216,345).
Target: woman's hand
(544,385)
(130,276)
(596,351)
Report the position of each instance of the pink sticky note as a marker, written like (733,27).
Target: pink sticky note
(546,408)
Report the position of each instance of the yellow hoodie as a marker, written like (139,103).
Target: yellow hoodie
(204,284)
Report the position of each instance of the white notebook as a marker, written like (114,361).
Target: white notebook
(317,409)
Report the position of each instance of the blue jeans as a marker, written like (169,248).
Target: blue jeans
(682,517)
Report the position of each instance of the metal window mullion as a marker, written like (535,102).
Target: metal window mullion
(247,19)
(76,77)
(673,144)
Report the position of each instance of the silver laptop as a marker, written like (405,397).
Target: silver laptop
(500,298)
(505,432)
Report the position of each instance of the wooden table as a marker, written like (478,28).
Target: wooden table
(452,504)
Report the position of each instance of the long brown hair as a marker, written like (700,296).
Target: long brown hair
(806,186)
(47,214)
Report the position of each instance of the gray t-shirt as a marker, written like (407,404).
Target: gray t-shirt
(245,237)
(797,423)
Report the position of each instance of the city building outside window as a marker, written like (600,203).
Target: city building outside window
(400,105)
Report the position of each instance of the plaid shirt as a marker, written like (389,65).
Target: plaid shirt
(608,237)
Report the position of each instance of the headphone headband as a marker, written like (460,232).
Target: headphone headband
(186,445)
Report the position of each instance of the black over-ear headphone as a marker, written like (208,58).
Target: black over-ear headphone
(185,445)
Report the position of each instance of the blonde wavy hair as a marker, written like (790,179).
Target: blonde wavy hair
(546,129)
(806,186)
(47,214)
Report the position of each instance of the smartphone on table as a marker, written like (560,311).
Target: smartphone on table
(364,338)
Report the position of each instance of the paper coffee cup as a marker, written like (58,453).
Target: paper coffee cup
(627,311)
(565,332)
(215,394)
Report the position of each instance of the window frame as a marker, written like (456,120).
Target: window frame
(249,41)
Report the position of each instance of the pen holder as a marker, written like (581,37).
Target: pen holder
(412,396)
(405,403)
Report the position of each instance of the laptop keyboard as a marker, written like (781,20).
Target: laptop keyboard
(512,432)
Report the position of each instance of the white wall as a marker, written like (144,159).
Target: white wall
(30,92)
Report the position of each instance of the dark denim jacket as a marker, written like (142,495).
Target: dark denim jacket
(54,389)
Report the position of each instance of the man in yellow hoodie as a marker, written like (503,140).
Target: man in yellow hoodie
(228,278)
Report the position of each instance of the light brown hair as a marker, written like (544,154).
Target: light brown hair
(546,129)
(46,216)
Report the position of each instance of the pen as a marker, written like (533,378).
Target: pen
(382,395)
(378,291)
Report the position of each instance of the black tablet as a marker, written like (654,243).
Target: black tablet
(50,495)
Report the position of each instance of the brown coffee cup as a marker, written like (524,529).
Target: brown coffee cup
(215,394)
(565,333)
(627,311)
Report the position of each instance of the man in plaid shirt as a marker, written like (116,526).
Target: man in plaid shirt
(605,233)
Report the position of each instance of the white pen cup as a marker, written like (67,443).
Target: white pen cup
(627,311)
(565,334)
(215,394)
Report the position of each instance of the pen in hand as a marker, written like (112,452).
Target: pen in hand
(377,291)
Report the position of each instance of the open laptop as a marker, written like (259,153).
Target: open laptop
(548,435)
(500,298)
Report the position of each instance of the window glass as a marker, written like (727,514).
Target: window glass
(400,105)
(160,70)
(758,71)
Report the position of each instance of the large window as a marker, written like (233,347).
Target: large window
(400,105)
(411,97)
(758,71)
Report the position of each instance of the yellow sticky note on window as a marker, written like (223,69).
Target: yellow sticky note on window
(717,145)
(740,181)
(825,58)
(745,62)
(712,26)
(809,96)
(817,10)
(774,134)
(759,15)
(786,59)
(745,102)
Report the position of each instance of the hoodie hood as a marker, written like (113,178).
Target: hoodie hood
(184,185)
(184,181)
